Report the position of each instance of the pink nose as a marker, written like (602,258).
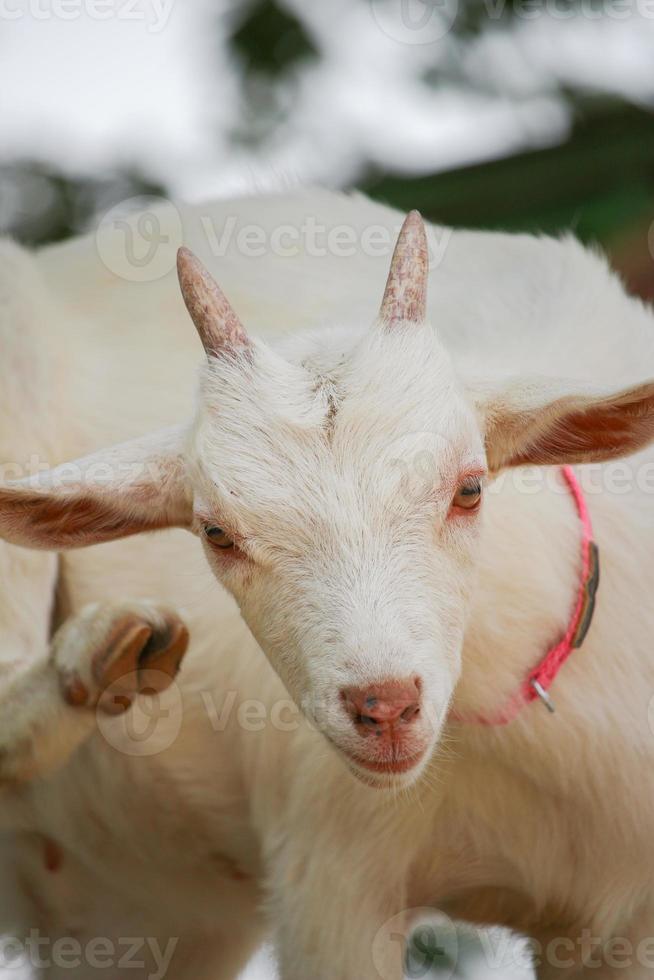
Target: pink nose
(383,708)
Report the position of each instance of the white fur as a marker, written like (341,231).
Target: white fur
(358,575)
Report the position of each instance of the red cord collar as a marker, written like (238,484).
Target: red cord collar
(539,680)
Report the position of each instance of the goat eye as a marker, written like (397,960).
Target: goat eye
(468,495)
(217,536)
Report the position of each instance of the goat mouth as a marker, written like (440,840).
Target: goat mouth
(388,766)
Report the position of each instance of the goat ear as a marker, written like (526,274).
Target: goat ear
(137,486)
(545,423)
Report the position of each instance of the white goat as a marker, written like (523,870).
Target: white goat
(335,481)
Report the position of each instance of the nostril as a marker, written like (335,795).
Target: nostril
(365,720)
(410,713)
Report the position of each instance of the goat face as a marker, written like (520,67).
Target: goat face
(340,509)
(337,498)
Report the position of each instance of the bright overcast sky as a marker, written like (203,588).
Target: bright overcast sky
(153,86)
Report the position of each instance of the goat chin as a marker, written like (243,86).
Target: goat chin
(402,777)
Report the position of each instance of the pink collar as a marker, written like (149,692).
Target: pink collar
(538,681)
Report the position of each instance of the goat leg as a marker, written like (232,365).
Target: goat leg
(99,661)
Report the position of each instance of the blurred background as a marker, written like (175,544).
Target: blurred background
(516,114)
(511,114)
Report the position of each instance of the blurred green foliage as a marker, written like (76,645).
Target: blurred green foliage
(39,205)
(270,40)
(597,182)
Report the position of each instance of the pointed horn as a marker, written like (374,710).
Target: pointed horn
(405,296)
(218,325)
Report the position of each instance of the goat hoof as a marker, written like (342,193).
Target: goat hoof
(108,655)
